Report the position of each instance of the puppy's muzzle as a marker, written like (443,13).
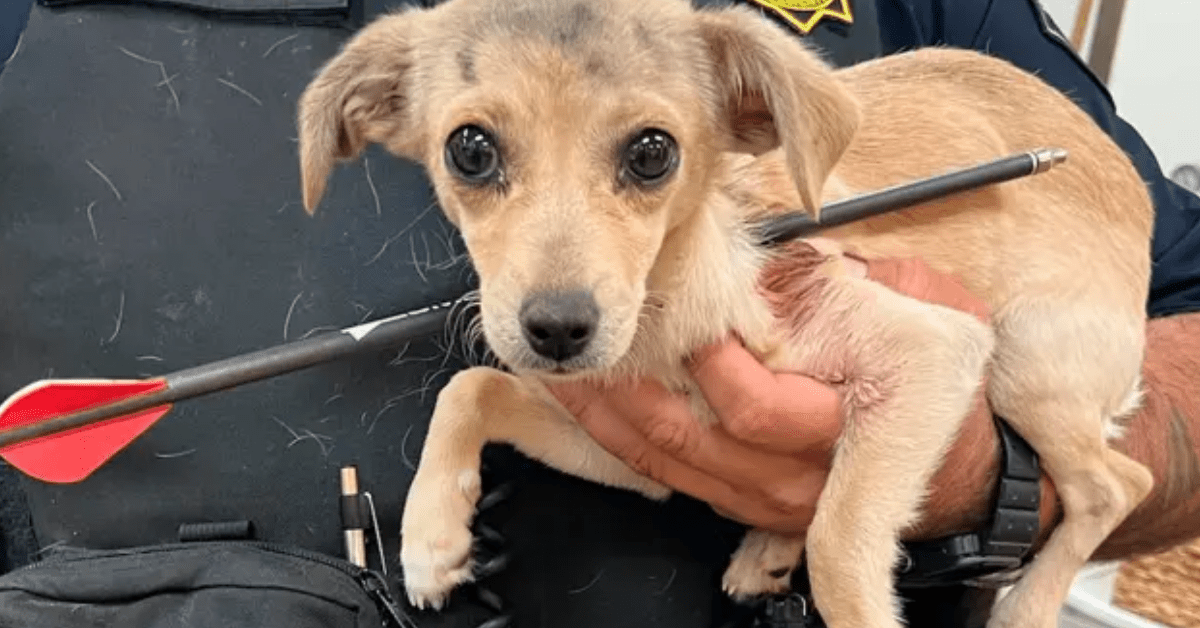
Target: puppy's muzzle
(559,325)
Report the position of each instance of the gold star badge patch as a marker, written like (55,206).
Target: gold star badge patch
(804,15)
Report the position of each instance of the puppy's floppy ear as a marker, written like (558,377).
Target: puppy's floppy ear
(362,95)
(773,91)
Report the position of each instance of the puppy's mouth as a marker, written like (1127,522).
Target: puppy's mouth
(528,361)
(560,334)
(560,371)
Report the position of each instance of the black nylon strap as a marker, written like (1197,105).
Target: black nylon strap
(990,557)
(1015,513)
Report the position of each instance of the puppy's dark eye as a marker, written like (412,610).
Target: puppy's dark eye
(651,156)
(471,153)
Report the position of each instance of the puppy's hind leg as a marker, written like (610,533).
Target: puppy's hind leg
(1064,373)
(1098,487)
(916,370)
(479,406)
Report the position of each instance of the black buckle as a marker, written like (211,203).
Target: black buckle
(953,560)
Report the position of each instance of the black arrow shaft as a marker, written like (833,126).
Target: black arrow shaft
(797,225)
(301,354)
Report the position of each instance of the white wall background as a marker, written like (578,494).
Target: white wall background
(1156,73)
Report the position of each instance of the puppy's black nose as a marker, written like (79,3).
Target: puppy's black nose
(559,325)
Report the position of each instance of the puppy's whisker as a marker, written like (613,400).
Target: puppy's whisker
(463,310)
(479,351)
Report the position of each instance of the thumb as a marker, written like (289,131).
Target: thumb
(914,278)
(779,412)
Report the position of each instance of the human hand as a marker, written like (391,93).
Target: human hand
(766,460)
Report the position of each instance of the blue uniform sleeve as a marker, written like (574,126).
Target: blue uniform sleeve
(1023,33)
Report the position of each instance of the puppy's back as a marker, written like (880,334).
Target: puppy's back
(1086,224)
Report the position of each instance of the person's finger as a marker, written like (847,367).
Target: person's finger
(642,456)
(675,432)
(717,469)
(913,277)
(780,412)
(666,422)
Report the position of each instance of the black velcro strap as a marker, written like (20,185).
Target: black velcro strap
(1016,516)
(994,556)
(356,512)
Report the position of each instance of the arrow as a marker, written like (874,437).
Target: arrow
(62,430)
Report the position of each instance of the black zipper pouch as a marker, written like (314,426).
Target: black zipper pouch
(219,584)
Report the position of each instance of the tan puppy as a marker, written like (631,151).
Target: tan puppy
(602,162)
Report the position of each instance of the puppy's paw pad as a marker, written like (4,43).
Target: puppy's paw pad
(762,565)
(435,564)
(436,539)
(746,579)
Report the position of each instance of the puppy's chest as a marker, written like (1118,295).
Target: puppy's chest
(786,347)
(778,308)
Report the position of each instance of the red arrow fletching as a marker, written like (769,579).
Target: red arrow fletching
(73,455)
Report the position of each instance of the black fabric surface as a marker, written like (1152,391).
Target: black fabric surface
(17,544)
(179,261)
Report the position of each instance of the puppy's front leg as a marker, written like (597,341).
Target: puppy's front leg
(478,406)
(916,369)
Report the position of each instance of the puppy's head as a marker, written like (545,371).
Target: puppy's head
(567,139)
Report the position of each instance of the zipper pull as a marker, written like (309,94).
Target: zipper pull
(377,587)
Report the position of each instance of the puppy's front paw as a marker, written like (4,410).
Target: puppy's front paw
(762,565)
(436,539)
(650,489)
